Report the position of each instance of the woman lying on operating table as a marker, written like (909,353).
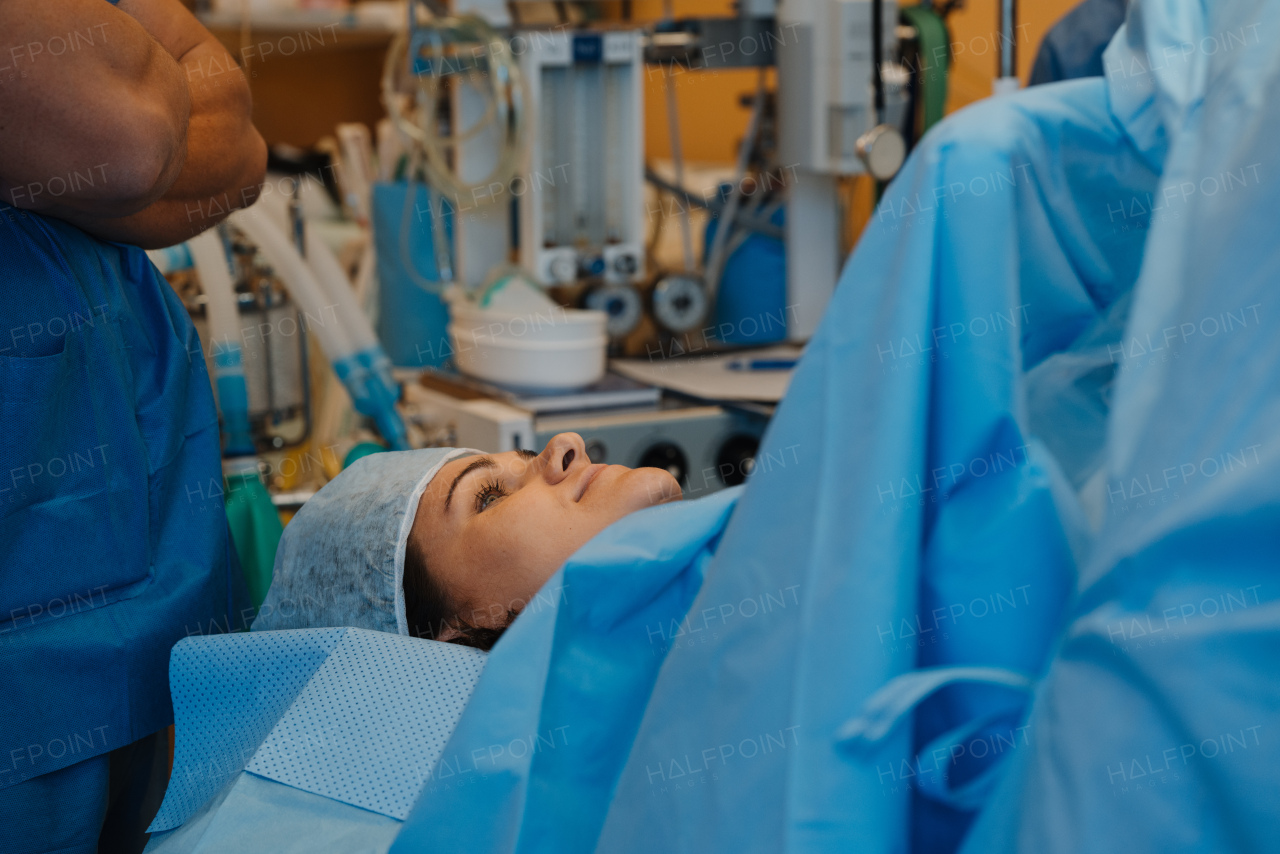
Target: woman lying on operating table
(445,543)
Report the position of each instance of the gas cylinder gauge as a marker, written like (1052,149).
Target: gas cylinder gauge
(680,302)
(623,306)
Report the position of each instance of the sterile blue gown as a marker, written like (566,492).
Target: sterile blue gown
(113,536)
(1158,720)
(906,546)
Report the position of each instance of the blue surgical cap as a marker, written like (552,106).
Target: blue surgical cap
(341,559)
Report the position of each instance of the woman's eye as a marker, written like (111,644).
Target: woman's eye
(488,495)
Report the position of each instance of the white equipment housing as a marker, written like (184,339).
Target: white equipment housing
(581,213)
(481,232)
(825,71)
(825,103)
(587,120)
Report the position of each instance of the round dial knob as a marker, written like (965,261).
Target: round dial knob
(883,150)
(625,265)
(679,302)
(622,305)
(563,269)
(597,451)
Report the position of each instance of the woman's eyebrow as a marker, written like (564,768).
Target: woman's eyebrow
(476,465)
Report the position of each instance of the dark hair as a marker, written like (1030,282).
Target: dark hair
(431,612)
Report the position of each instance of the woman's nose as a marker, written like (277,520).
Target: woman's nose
(564,454)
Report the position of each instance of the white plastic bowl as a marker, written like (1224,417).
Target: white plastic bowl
(543,325)
(525,363)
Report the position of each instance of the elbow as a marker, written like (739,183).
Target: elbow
(142,165)
(248,154)
(255,169)
(145,148)
(247,164)
(131,160)
(253,152)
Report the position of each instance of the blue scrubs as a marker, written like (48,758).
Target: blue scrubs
(1073,48)
(113,534)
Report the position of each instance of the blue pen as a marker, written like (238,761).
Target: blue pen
(762,365)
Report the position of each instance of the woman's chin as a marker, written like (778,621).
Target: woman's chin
(676,493)
(660,486)
(636,489)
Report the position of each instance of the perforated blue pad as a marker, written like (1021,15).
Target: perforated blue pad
(228,691)
(370,725)
(349,714)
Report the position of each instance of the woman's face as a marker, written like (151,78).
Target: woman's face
(494,528)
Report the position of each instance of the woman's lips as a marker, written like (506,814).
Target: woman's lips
(591,473)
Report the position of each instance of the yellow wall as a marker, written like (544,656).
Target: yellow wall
(973,36)
(712,122)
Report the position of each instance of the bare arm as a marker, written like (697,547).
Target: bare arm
(213,166)
(93,112)
(226,158)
